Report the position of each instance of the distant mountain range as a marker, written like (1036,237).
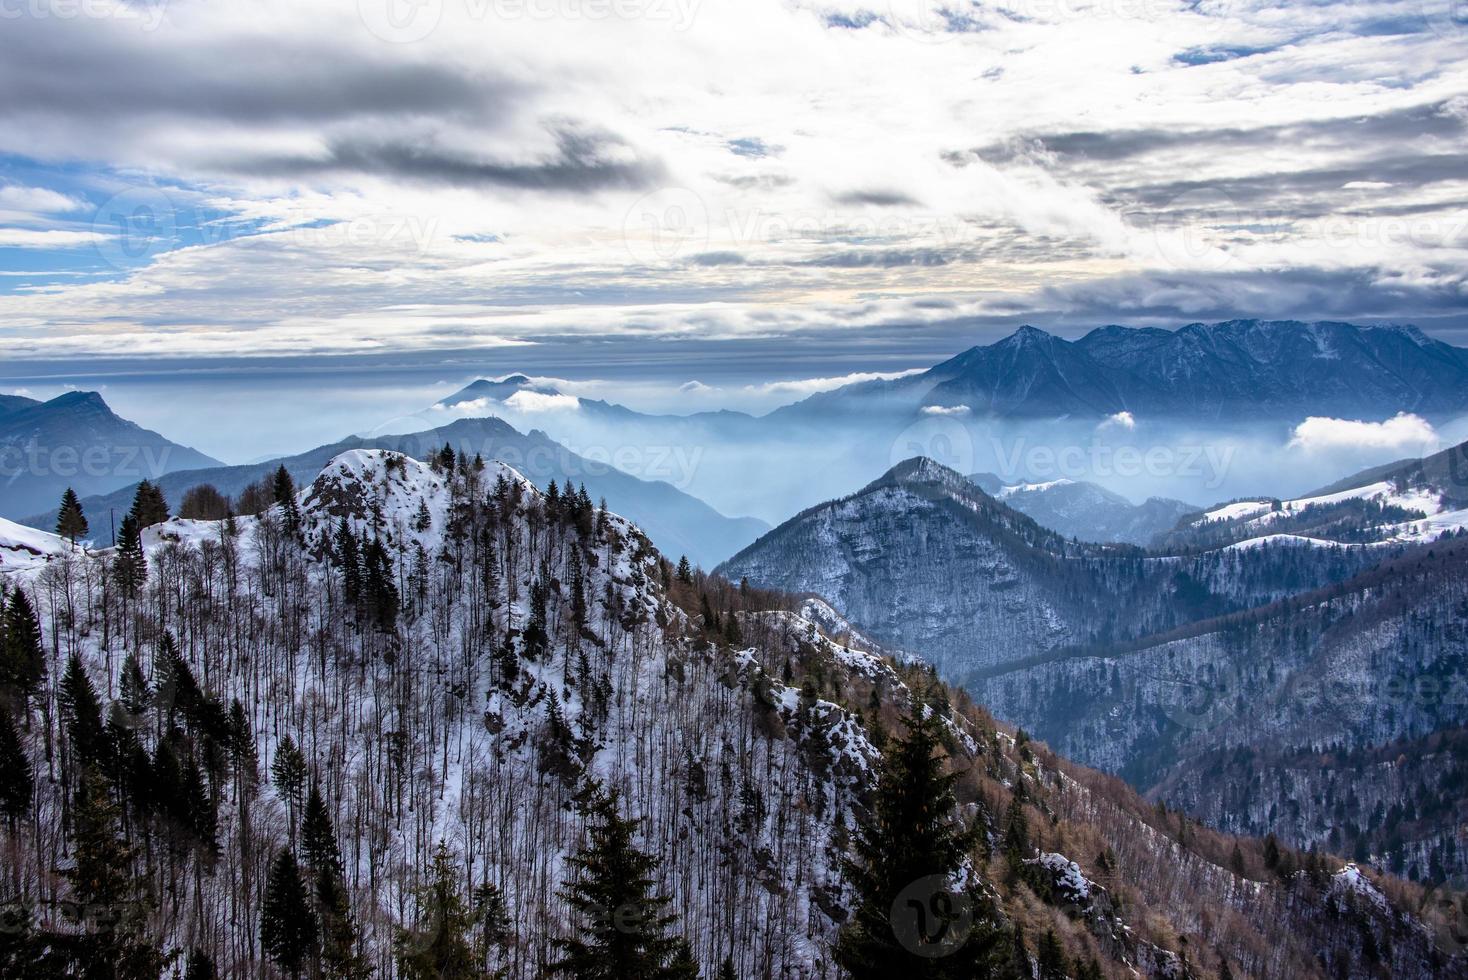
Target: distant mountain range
(75,440)
(1086,511)
(1119,386)
(1239,369)
(923,559)
(677,522)
(1330,624)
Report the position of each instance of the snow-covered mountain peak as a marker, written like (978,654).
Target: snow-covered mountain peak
(924,471)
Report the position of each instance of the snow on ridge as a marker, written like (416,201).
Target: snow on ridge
(24,548)
(1349,880)
(1018,488)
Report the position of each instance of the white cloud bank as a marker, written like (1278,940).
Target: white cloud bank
(1405,433)
(531,402)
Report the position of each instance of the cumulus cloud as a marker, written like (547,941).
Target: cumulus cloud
(31,238)
(1404,433)
(945,409)
(530,402)
(37,199)
(1121,420)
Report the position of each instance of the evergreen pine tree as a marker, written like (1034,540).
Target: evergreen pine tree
(287,924)
(534,640)
(83,714)
(493,918)
(911,835)
(22,657)
(439,948)
(131,566)
(199,966)
(71,523)
(149,505)
(726,970)
(621,923)
(114,943)
(1052,961)
(283,492)
(17,780)
(349,560)
(288,770)
(341,959)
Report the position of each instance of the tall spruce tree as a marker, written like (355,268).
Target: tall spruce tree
(130,565)
(340,957)
(440,946)
(71,523)
(288,771)
(149,505)
(115,941)
(912,837)
(82,711)
(283,491)
(288,930)
(621,922)
(17,779)
(22,657)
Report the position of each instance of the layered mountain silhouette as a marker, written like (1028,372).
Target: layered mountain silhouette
(679,523)
(1239,369)
(75,440)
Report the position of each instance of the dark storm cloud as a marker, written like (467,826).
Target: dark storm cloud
(717,258)
(891,258)
(1283,190)
(583,163)
(762,182)
(80,71)
(881,198)
(1400,126)
(1300,293)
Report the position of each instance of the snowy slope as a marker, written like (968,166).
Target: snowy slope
(23,548)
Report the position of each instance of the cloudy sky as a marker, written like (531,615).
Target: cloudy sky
(869,183)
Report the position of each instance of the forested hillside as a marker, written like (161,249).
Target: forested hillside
(426,720)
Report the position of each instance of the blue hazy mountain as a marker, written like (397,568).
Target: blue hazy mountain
(75,440)
(1087,511)
(676,521)
(1239,369)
